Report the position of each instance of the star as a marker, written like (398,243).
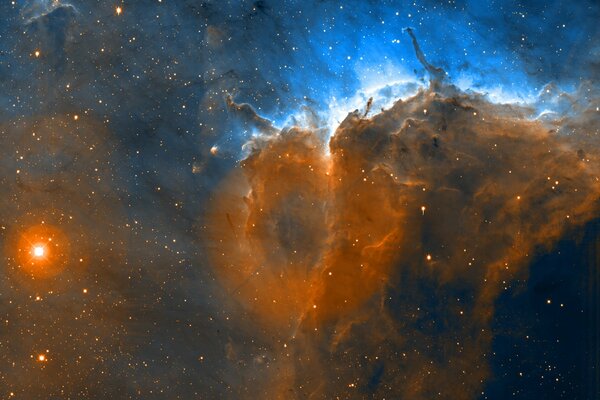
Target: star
(39,251)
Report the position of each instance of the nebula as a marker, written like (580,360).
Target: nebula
(257,199)
(374,259)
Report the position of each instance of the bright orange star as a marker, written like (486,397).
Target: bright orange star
(39,251)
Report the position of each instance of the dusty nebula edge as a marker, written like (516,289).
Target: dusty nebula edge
(374,258)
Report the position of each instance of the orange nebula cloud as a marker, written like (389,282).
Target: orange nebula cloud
(273,237)
(339,254)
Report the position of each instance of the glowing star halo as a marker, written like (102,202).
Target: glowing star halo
(41,251)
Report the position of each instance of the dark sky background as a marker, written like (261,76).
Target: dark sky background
(116,141)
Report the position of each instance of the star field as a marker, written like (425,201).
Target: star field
(299,199)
